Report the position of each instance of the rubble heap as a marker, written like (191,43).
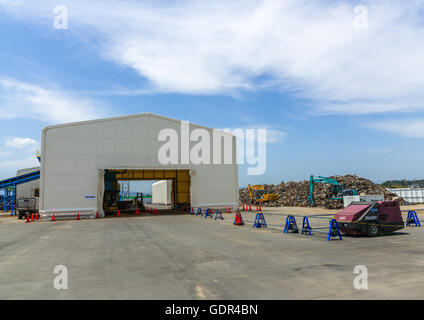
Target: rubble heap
(295,194)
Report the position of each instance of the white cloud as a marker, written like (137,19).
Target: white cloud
(20,143)
(20,100)
(9,167)
(20,154)
(275,136)
(412,128)
(309,48)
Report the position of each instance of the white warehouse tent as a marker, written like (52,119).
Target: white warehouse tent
(81,161)
(27,190)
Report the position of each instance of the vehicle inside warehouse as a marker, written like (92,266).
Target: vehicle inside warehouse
(170,190)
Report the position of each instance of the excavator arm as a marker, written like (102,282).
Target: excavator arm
(337,188)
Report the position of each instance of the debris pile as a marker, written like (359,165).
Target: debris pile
(295,194)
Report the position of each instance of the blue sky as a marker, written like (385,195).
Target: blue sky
(335,99)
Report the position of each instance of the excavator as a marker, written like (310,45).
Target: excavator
(258,196)
(338,190)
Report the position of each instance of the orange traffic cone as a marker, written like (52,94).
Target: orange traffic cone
(32,217)
(156,211)
(78,217)
(238,221)
(118,214)
(53,219)
(27,218)
(229,209)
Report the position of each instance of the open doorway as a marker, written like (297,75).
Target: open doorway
(129,190)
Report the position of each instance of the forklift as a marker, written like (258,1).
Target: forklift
(138,202)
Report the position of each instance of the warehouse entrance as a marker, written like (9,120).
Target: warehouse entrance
(116,198)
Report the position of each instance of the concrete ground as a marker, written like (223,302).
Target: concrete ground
(188,257)
(3,214)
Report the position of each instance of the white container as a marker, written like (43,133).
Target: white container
(161,192)
(347,200)
(411,195)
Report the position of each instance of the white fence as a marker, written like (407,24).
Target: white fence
(415,195)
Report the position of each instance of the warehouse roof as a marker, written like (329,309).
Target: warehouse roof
(139,115)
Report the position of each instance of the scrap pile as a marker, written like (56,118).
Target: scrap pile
(295,194)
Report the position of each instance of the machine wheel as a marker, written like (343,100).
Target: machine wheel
(373,230)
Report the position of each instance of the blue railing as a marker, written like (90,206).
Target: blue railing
(9,185)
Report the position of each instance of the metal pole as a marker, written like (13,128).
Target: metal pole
(16,202)
(13,200)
